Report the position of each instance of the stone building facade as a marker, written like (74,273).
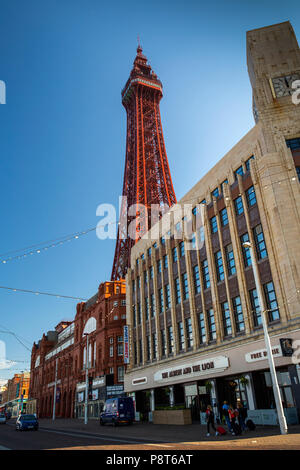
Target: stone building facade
(64,350)
(192,309)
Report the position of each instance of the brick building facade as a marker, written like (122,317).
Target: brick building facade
(102,318)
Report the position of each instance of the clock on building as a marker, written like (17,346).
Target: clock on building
(282,86)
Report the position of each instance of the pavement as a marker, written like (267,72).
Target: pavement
(74,434)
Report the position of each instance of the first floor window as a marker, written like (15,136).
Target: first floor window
(238,313)
(181,336)
(202,330)
(120,346)
(148,348)
(219,266)
(211,325)
(189,332)
(272,306)
(170,340)
(255,307)
(163,343)
(154,345)
(120,373)
(226,319)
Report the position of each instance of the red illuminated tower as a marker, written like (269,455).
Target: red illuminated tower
(147,178)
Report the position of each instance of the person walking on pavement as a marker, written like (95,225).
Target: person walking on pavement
(225,409)
(233,414)
(210,420)
(242,415)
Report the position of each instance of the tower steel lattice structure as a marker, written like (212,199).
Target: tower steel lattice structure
(147,178)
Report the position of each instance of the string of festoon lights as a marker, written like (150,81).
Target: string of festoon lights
(39,248)
(36,292)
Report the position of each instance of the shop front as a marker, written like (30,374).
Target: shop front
(236,375)
(96,397)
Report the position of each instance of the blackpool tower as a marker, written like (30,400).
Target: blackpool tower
(147,178)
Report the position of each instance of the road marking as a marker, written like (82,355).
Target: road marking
(159,445)
(92,436)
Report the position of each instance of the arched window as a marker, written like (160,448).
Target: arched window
(90,326)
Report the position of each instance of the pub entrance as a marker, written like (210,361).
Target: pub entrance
(192,400)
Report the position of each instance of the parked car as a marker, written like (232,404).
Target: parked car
(25,422)
(117,410)
(2,418)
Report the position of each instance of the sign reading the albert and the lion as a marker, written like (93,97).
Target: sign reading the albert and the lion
(194,369)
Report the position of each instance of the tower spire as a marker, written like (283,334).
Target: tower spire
(147,178)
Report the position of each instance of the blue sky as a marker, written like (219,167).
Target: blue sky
(62,145)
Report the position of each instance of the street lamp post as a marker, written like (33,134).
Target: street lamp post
(276,391)
(86,379)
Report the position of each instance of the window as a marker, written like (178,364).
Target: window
(177,291)
(226,319)
(134,315)
(239,171)
(230,260)
(181,336)
(181,248)
(194,210)
(271,300)
(261,249)
(161,301)
(245,250)
(174,254)
(193,241)
(251,196)
(248,162)
(170,340)
(120,346)
(145,278)
(148,348)
(154,345)
(255,307)
(168,296)
(159,266)
(138,280)
(185,286)
(111,350)
(211,325)
(163,343)
(152,306)
(165,260)
(298,172)
(215,193)
(123,302)
(162,240)
(149,252)
(139,316)
(151,272)
(224,217)
(205,274)
(189,332)
(141,351)
(135,352)
(120,373)
(196,277)
(202,330)
(238,204)
(213,225)
(147,308)
(219,266)
(293,144)
(238,314)
(116,303)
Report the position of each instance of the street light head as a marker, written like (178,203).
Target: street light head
(247,244)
